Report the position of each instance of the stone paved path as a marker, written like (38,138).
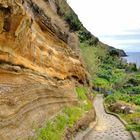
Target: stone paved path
(108,126)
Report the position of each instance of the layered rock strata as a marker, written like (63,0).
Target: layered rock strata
(39,65)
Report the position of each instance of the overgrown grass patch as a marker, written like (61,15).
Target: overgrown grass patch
(133,121)
(73,114)
(133,127)
(81,93)
(90,59)
(85,103)
(55,129)
(131,118)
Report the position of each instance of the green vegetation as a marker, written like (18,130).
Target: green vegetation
(71,18)
(123,81)
(131,67)
(84,102)
(109,75)
(110,99)
(133,127)
(100,82)
(69,15)
(55,129)
(133,121)
(123,97)
(92,56)
(81,93)
(86,37)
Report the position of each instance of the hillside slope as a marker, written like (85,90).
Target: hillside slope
(84,35)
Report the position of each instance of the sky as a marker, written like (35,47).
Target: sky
(114,22)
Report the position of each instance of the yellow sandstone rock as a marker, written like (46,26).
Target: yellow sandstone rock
(39,66)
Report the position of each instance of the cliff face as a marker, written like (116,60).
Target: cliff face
(119,51)
(39,66)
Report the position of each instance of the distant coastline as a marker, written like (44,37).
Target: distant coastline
(133,57)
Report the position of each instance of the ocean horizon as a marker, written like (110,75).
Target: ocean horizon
(133,57)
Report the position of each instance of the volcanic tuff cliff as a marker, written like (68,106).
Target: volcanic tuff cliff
(39,66)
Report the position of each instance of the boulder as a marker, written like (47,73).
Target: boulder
(121,108)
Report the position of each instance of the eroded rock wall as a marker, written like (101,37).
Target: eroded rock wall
(39,65)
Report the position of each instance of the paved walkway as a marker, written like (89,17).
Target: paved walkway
(108,126)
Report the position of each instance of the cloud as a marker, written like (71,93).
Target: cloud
(134,36)
(115,22)
(128,43)
(132,31)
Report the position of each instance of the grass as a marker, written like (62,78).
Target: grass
(73,113)
(85,103)
(90,58)
(81,93)
(133,127)
(55,129)
(133,121)
(123,97)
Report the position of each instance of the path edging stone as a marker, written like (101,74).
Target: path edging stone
(134,134)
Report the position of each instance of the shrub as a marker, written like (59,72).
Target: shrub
(84,35)
(68,14)
(133,127)
(136,90)
(131,67)
(114,53)
(125,97)
(100,82)
(135,100)
(73,21)
(133,81)
(110,99)
(105,74)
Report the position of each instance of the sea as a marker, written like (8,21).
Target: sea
(133,57)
